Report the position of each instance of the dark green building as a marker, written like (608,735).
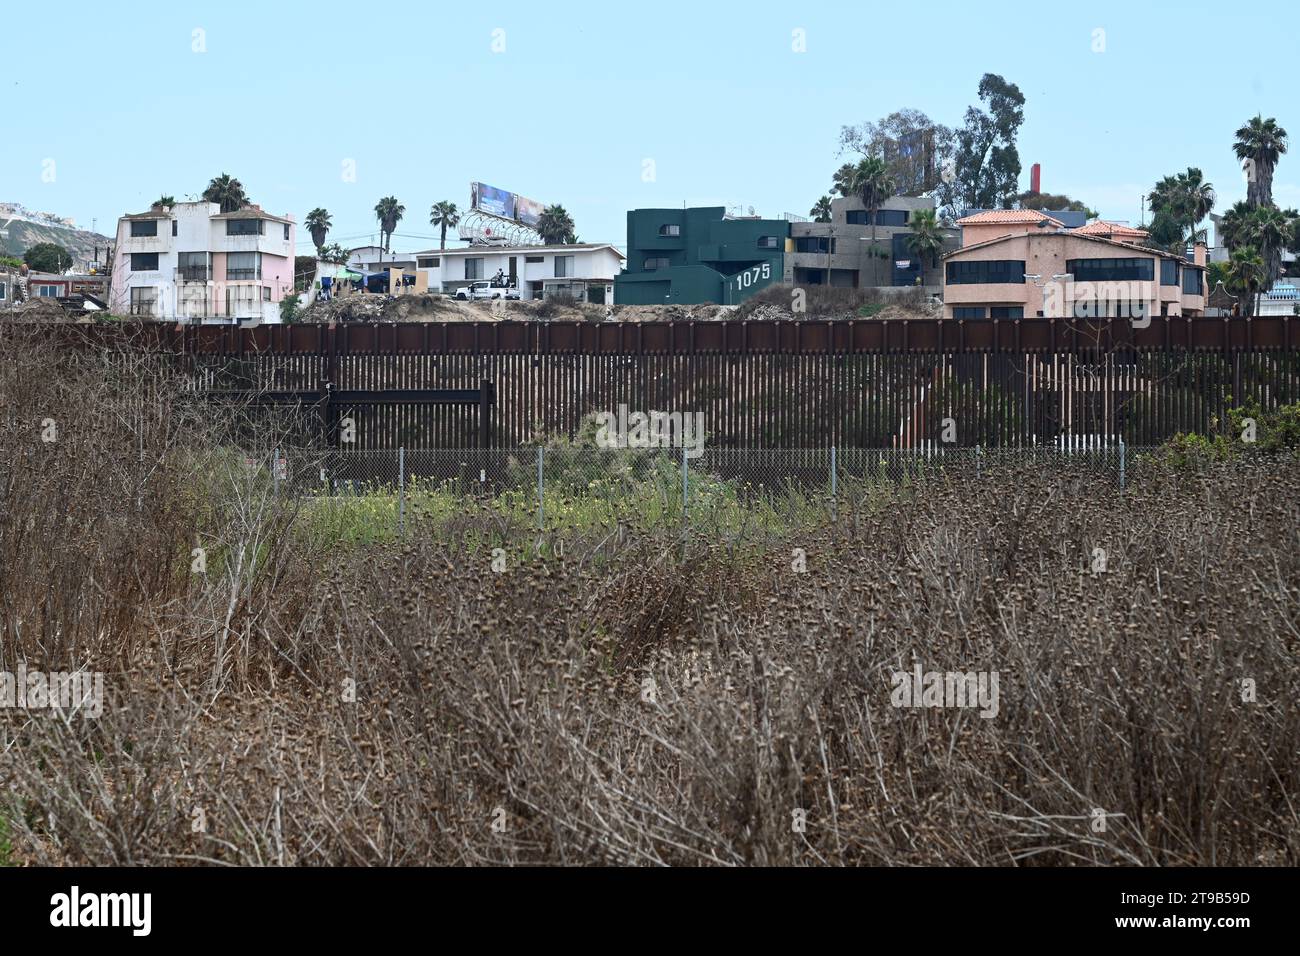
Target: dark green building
(692,256)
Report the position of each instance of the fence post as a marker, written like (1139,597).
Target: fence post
(1121,464)
(401,490)
(834,478)
(541,488)
(685,495)
(979,462)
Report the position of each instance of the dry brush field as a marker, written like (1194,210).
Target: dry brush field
(304,703)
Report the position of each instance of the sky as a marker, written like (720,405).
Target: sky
(606,107)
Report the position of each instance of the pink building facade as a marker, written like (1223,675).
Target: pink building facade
(192,263)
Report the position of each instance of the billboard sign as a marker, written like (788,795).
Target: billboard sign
(528,211)
(506,205)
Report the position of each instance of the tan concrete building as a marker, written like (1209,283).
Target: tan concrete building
(1017,264)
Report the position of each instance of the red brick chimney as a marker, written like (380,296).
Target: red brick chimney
(1036,178)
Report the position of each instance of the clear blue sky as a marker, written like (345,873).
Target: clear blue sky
(583,93)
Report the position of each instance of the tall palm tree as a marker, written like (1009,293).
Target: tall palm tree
(1246,275)
(555,226)
(1198,198)
(1269,230)
(1182,202)
(1262,142)
(873,184)
(927,236)
(444,213)
(389,212)
(228,192)
(318,224)
(842,181)
(1233,225)
(821,211)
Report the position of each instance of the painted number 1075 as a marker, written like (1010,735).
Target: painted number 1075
(753,274)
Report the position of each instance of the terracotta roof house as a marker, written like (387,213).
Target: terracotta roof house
(1034,270)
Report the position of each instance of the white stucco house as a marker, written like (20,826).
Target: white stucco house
(584,270)
(193,263)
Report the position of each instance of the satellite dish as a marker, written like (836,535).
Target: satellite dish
(751,210)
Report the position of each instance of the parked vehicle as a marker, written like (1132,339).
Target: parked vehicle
(486,290)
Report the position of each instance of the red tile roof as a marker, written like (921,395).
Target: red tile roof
(996,217)
(1104,228)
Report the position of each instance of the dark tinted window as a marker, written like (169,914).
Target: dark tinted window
(1168,272)
(144,227)
(978,272)
(1192,281)
(144,262)
(1007,312)
(968,312)
(1111,270)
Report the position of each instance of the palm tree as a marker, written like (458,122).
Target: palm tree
(1269,230)
(821,212)
(873,184)
(1198,199)
(318,224)
(389,212)
(842,181)
(1181,202)
(226,191)
(1233,225)
(1246,275)
(164,201)
(555,226)
(927,236)
(444,213)
(1262,142)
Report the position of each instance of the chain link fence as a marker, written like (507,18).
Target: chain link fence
(551,487)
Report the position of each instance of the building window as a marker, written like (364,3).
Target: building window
(884,217)
(534,260)
(143,300)
(968,312)
(243,266)
(563,267)
(769,242)
(990,272)
(1169,272)
(1192,282)
(655,264)
(243,227)
(427,262)
(814,244)
(144,228)
(1007,312)
(173,227)
(266,294)
(473,268)
(144,262)
(192,266)
(670,230)
(47,291)
(4,291)
(1111,270)
(286,232)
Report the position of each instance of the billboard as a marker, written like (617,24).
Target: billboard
(507,205)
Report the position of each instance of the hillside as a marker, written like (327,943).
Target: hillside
(27,230)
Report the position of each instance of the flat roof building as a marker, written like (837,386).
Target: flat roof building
(695,256)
